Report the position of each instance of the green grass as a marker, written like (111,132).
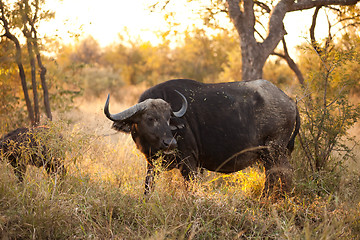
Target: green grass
(101,197)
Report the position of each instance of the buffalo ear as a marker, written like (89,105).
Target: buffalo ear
(176,123)
(122,126)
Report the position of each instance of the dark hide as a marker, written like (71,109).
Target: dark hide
(226,128)
(27,146)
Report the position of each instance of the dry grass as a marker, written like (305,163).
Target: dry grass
(102,197)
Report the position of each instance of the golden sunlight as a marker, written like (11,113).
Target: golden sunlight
(107,19)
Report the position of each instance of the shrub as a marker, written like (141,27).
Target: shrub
(327,113)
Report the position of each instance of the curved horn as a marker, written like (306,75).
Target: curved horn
(124,114)
(184,106)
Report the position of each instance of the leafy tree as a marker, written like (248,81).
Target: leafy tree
(7,28)
(278,72)
(10,112)
(88,51)
(155,64)
(351,42)
(232,67)
(202,57)
(65,75)
(245,16)
(127,60)
(24,15)
(327,110)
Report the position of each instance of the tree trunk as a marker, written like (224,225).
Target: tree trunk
(18,59)
(43,79)
(33,49)
(33,76)
(254,54)
(252,62)
(29,45)
(42,71)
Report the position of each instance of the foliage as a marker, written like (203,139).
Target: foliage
(138,62)
(63,88)
(204,57)
(11,114)
(24,16)
(350,42)
(327,113)
(87,52)
(278,72)
(199,57)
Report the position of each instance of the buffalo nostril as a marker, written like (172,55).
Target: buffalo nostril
(170,143)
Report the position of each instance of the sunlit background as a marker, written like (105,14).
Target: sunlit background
(106,19)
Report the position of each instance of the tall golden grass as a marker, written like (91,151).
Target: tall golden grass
(101,197)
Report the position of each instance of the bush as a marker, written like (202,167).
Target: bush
(327,113)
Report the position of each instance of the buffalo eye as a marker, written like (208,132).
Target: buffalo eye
(150,120)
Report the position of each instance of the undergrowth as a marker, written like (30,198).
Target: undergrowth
(101,197)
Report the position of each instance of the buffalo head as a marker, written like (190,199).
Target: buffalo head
(149,124)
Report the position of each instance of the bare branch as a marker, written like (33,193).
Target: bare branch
(263,6)
(276,25)
(328,40)
(258,33)
(307,151)
(312,30)
(263,27)
(308,4)
(293,66)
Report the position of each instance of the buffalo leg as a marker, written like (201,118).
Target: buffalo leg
(19,170)
(278,172)
(149,179)
(188,170)
(55,166)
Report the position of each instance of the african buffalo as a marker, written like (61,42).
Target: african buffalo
(222,127)
(29,146)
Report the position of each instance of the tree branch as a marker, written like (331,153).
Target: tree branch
(293,66)
(329,38)
(307,4)
(263,6)
(312,30)
(276,26)
(235,13)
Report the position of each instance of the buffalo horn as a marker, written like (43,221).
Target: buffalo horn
(124,114)
(184,106)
